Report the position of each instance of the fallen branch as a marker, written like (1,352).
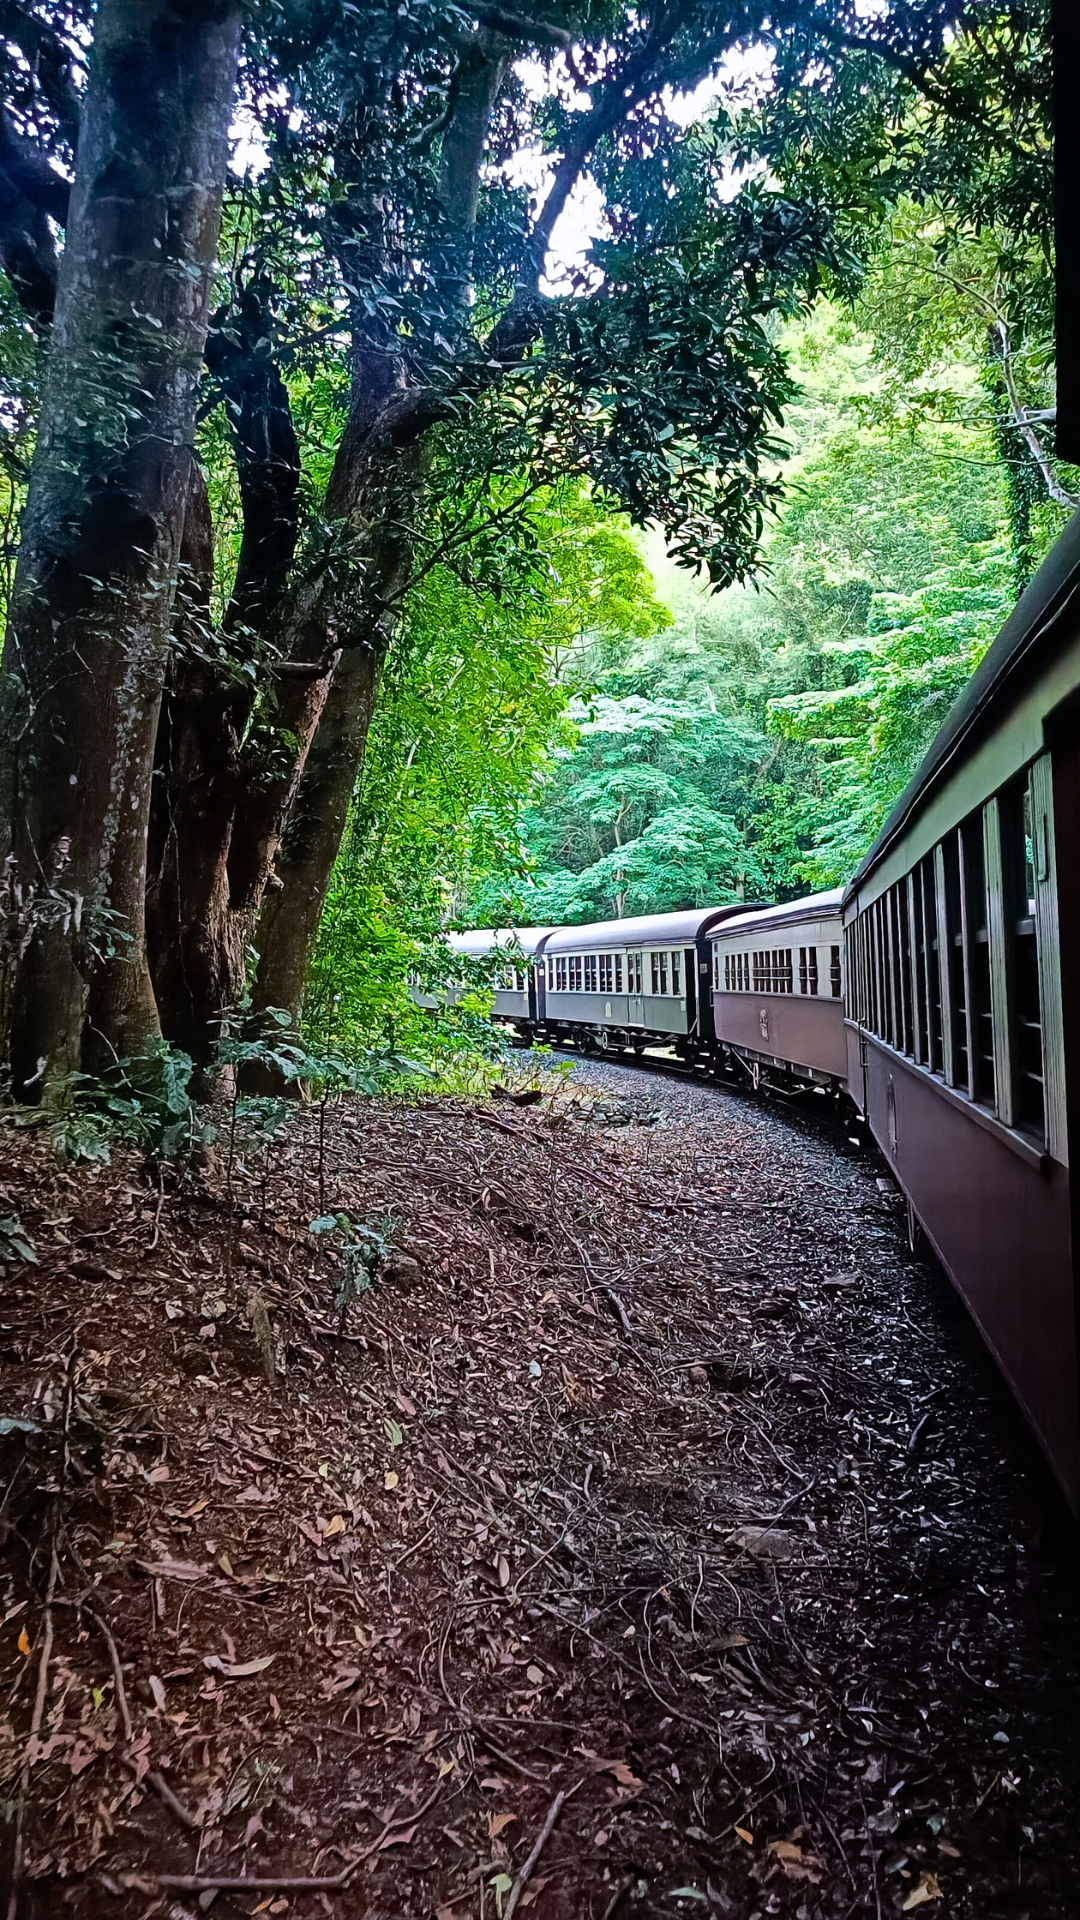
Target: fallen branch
(539,1844)
(250,1883)
(287,1883)
(118,1677)
(160,1786)
(617,1307)
(155,1781)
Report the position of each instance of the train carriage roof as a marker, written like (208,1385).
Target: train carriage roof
(650,929)
(1034,630)
(814,906)
(481,941)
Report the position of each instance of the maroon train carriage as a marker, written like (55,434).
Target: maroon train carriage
(777,993)
(962,926)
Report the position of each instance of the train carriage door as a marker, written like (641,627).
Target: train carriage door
(689,960)
(635,988)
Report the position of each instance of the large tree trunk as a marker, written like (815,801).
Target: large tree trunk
(191,952)
(292,903)
(269,830)
(87,645)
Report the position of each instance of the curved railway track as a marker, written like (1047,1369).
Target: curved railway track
(817,1110)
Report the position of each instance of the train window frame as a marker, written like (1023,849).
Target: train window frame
(575,972)
(808,971)
(676,971)
(1027,1041)
(979,973)
(590,972)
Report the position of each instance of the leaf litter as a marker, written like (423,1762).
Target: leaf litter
(584,1567)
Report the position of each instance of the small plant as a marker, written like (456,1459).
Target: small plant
(361,1249)
(15,1244)
(145,1101)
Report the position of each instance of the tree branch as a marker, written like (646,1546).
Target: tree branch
(1021,420)
(239,356)
(31,195)
(514,26)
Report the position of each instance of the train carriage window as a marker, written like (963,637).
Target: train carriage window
(978,960)
(808,973)
(896,967)
(575,973)
(561,974)
(881,1003)
(933,965)
(955,959)
(919,1006)
(618,973)
(589,972)
(1018,877)
(676,961)
(633,973)
(835,975)
(903,958)
(658,963)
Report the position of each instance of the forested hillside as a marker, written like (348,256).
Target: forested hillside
(748,742)
(610,456)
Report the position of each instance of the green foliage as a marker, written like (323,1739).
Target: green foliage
(632,819)
(472,702)
(15,1242)
(145,1102)
(361,1250)
(915,658)
(751,748)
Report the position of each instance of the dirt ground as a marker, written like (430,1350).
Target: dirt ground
(653,1539)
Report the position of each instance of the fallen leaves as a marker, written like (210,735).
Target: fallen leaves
(927,1889)
(765,1543)
(549,1573)
(238,1669)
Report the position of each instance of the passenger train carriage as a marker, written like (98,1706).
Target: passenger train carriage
(633,983)
(963,965)
(518,989)
(778,983)
(941,988)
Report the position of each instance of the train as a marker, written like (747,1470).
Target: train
(693,982)
(935,996)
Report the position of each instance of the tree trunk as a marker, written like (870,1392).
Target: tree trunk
(293,902)
(85,657)
(194,964)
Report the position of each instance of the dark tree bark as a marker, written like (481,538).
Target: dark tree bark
(86,651)
(217,805)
